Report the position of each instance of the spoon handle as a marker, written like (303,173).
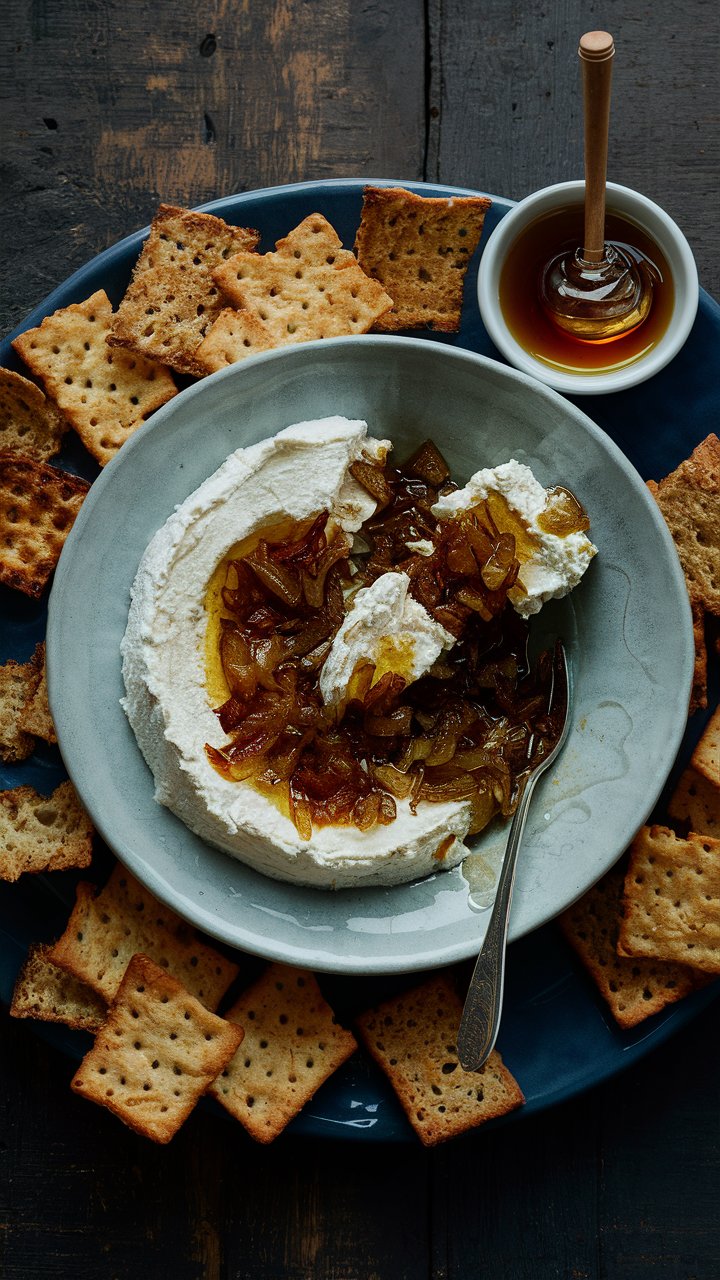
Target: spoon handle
(483,1002)
(596,53)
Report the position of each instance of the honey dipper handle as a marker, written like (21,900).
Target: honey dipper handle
(596,53)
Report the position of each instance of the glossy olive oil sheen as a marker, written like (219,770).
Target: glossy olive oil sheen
(535,332)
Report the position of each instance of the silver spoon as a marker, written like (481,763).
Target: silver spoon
(483,1002)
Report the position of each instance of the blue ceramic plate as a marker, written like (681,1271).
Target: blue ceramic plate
(555,1036)
(631,663)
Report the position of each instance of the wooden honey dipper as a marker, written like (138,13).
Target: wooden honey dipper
(599,292)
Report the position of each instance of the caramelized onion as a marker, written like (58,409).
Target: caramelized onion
(464,732)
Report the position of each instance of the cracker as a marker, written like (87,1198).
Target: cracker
(413,1038)
(104,394)
(419,248)
(45,992)
(689,499)
(156,1053)
(42,834)
(18,683)
(698,693)
(38,506)
(35,714)
(310,287)
(672,899)
(695,804)
(233,336)
(705,758)
(185,238)
(105,930)
(29,422)
(172,299)
(633,988)
(292,1044)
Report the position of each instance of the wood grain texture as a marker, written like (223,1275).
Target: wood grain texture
(618,1185)
(506,103)
(109,107)
(113,107)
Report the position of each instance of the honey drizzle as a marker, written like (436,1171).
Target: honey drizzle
(530,325)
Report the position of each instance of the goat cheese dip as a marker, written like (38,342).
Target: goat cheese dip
(302,470)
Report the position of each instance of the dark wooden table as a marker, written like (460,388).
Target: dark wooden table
(112,107)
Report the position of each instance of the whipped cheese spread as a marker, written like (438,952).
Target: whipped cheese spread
(386,627)
(555,564)
(302,470)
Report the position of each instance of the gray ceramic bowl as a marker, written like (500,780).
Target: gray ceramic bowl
(627,628)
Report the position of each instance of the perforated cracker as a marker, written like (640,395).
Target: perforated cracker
(29,422)
(45,992)
(18,682)
(633,988)
(310,287)
(156,1053)
(672,899)
(39,833)
(105,394)
(695,804)
(419,248)
(38,507)
(689,499)
(172,300)
(106,929)
(413,1039)
(234,336)
(292,1044)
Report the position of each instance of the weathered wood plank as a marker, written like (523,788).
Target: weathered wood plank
(621,1184)
(213,1204)
(506,106)
(113,107)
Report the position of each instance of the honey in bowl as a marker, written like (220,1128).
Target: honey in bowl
(528,321)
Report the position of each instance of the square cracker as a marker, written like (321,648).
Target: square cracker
(419,248)
(104,394)
(29,422)
(412,1038)
(310,287)
(156,1053)
(234,336)
(38,506)
(689,499)
(45,992)
(43,834)
(105,930)
(292,1044)
(672,899)
(172,299)
(18,683)
(633,988)
(695,804)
